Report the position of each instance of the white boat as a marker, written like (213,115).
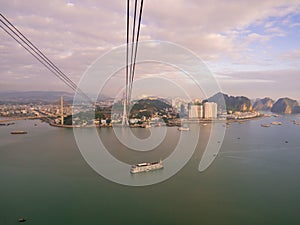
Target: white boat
(146,167)
(183,128)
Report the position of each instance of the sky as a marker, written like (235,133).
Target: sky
(252,48)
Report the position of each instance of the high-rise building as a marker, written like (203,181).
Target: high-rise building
(210,110)
(195,111)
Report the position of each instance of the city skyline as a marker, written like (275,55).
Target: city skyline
(252,49)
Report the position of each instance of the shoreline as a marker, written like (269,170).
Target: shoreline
(174,123)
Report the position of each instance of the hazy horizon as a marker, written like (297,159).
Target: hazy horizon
(148,96)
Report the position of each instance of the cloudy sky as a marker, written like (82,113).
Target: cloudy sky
(251,47)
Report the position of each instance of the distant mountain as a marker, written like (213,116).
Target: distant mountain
(149,106)
(239,103)
(264,104)
(286,106)
(27,97)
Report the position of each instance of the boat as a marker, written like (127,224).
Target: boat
(146,167)
(265,125)
(276,123)
(6,124)
(183,128)
(18,132)
(296,122)
(21,220)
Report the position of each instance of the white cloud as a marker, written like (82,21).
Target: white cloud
(254,37)
(294,25)
(292,56)
(74,33)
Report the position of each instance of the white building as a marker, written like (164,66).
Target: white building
(210,110)
(195,111)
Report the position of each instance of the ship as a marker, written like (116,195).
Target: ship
(146,167)
(18,132)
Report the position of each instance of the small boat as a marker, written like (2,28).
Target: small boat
(183,128)
(21,220)
(7,124)
(276,123)
(265,125)
(18,132)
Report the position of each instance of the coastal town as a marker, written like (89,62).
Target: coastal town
(169,113)
(146,112)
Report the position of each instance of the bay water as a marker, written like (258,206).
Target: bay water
(253,180)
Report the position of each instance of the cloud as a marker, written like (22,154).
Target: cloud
(74,33)
(254,37)
(292,55)
(274,83)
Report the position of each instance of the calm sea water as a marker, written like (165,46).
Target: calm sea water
(254,180)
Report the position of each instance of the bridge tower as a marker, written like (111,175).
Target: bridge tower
(62,110)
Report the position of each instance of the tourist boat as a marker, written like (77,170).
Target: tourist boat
(18,132)
(183,128)
(145,167)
